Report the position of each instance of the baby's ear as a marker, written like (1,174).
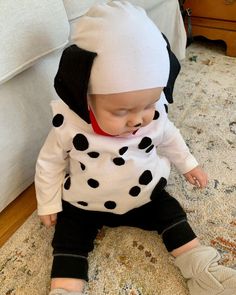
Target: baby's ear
(72,78)
(174,71)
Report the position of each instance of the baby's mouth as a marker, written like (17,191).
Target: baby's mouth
(134,132)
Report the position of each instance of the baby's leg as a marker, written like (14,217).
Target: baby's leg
(198,264)
(74,235)
(68,284)
(186,247)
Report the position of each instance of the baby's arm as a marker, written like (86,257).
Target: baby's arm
(49,177)
(175,149)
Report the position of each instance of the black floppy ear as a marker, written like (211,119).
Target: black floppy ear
(174,71)
(71,81)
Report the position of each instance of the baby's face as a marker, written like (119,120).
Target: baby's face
(121,114)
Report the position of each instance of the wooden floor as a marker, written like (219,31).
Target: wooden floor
(15,214)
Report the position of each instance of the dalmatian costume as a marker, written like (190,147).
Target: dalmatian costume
(110,174)
(91,178)
(81,170)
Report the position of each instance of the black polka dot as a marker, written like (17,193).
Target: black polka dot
(82,166)
(123,150)
(80,142)
(67,184)
(68,151)
(93,154)
(93,183)
(146,177)
(166,107)
(158,188)
(110,205)
(156,115)
(161,183)
(134,191)
(82,203)
(119,161)
(150,148)
(144,143)
(57,120)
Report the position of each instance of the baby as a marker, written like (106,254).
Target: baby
(107,158)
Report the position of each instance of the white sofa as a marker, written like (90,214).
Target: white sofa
(33,34)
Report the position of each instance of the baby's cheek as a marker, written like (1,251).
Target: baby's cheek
(113,127)
(149,117)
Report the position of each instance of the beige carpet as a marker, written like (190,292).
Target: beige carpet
(128,261)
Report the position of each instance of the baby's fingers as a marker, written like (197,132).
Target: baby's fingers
(202,180)
(48,220)
(191,179)
(197,182)
(53,219)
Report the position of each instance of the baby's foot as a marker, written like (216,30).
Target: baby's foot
(203,273)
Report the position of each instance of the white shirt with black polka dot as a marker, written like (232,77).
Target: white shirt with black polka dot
(104,173)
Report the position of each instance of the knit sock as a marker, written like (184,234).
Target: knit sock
(203,273)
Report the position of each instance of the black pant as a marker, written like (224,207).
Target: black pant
(76,230)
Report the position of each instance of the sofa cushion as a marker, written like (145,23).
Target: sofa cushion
(28,31)
(75,8)
(25,121)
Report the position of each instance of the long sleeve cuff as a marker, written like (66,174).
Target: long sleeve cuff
(187,165)
(49,209)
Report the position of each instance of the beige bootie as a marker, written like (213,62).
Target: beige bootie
(203,273)
(64,292)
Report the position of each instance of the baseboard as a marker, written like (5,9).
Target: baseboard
(16,213)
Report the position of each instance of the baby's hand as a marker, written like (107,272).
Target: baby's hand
(48,220)
(197,177)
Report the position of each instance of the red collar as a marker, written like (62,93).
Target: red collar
(95,125)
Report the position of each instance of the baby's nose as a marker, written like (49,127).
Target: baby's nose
(135,119)
(135,122)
